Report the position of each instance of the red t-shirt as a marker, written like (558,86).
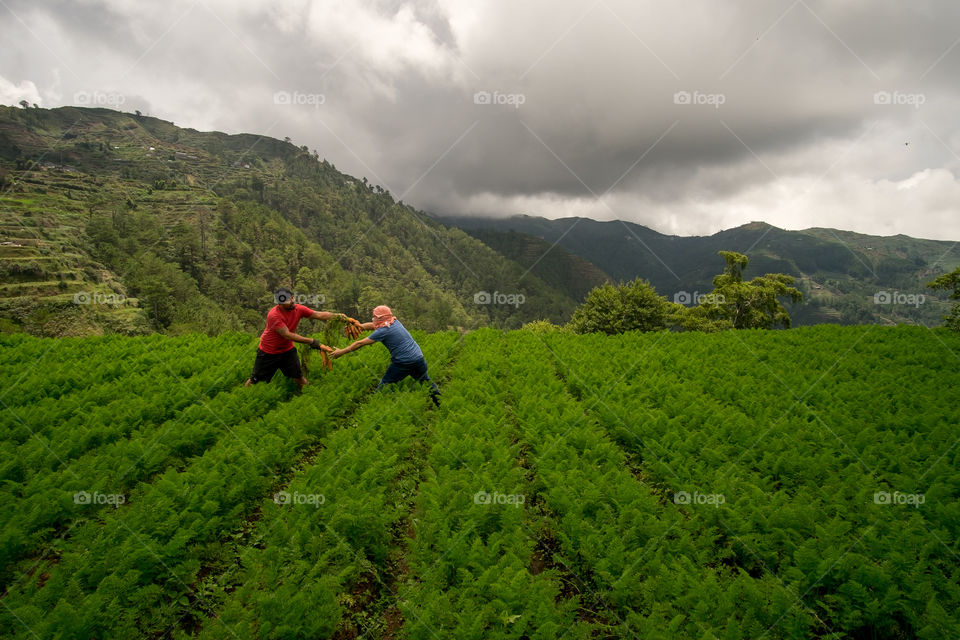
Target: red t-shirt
(270,340)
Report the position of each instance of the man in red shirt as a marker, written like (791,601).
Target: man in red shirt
(276,349)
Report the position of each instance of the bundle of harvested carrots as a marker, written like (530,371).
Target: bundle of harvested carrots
(324,350)
(306,349)
(352,330)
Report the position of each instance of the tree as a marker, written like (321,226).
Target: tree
(611,309)
(950,281)
(735,304)
(371,297)
(273,268)
(161,287)
(227,212)
(440,313)
(309,284)
(257,184)
(104,241)
(699,318)
(186,250)
(156,297)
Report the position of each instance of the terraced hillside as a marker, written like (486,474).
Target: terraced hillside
(114,222)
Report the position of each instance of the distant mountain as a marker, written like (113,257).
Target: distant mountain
(845,277)
(553,264)
(118,222)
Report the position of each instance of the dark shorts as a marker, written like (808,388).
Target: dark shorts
(266,364)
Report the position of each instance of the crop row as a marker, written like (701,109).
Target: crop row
(42,505)
(45,436)
(38,493)
(643,570)
(130,574)
(48,368)
(472,546)
(816,488)
(321,544)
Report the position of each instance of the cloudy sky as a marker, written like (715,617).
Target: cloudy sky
(686,116)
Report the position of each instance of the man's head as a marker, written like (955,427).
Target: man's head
(382,317)
(284,298)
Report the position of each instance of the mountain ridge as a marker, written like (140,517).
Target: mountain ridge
(843,274)
(753,224)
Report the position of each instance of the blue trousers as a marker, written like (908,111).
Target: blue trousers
(417,370)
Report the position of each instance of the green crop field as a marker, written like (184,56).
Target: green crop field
(744,484)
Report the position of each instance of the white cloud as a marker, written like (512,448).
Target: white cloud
(12,94)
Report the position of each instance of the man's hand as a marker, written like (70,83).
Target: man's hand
(336,353)
(316,344)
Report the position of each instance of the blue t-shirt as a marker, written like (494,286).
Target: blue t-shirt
(403,348)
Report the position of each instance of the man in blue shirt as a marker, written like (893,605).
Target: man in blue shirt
(406,358)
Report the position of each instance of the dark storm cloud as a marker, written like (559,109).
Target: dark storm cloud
(696,114)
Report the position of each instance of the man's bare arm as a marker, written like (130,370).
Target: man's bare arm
(326,315)
(290,335)
(362,342)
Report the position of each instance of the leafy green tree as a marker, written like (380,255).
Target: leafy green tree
(371,297)
(227,212)
(611,309)
(104,241)
(156,297)
(700,318)
(274,269)
(162,288)
(186,250)
(349,297)
(735,304)
(950,281)
(440,314)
